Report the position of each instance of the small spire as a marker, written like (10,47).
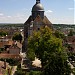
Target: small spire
(37,1)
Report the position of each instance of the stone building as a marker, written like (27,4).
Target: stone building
(14,49)
(35,21)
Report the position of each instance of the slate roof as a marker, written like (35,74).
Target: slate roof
(45,21)
(38,7)
(28,20)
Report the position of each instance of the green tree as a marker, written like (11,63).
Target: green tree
(58,34)
(71,33)
(17,37)
(3,33)
(1,50)
(50,51)
(20,72)
(34,73)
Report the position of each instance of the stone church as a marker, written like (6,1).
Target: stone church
(36,20)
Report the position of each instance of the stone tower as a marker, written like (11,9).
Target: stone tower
(36,20)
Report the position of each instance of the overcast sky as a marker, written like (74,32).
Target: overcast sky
(17,11)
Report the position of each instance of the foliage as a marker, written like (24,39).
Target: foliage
(11,61)
(11,25)
(17,37)
(3,33)
(31,54)
(58,34)
(1,50)
(20,72)
(71,56)
(50,51)
(74,71)
(34,73)
(70,33)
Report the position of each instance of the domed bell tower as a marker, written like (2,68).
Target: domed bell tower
(35,21)
(37,10)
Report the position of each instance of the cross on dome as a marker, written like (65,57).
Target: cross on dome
(37,1)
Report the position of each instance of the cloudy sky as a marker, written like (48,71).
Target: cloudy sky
(17,11)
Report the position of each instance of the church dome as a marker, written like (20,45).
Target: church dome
(38,7)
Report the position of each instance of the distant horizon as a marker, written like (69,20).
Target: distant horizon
(23,23)
(18,11)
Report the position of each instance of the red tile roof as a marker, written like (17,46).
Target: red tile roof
(70,39)
(7,56)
